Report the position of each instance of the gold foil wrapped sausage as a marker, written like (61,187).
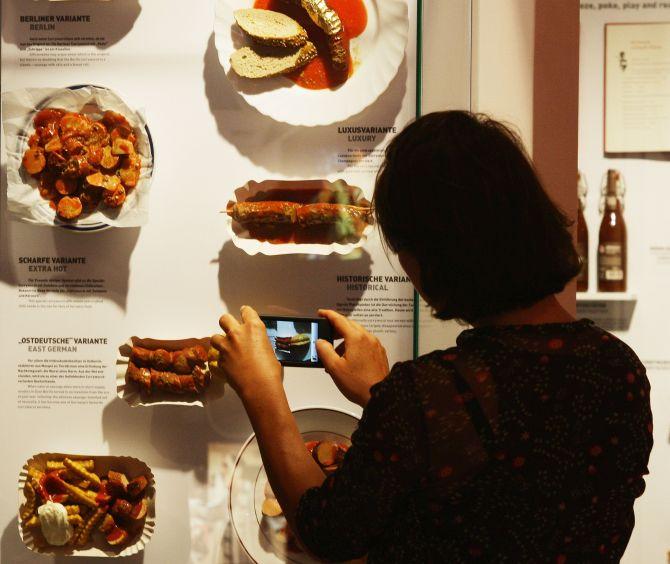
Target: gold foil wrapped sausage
(323,16)
(328,20)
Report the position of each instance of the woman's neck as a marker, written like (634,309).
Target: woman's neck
(547,310)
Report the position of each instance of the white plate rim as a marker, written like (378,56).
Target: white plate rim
(42,208)
(243,448)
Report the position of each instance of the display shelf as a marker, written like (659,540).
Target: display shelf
(606,297)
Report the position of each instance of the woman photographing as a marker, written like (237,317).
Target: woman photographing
(526,442)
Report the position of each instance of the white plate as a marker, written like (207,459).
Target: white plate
(256,533)
(377,55)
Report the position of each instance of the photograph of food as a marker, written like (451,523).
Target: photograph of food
(78,158)
(285,344)
(283,217)
(256,516)
(293,341)
(74,503)
(80,162)
(152,371)
(311,62)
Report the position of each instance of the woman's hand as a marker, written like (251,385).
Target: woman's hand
(247,358)
(358,363)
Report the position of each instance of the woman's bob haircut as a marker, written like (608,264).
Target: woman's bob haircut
(458,193)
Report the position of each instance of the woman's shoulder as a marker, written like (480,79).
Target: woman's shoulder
(410,376)
(610,344)
(601,349)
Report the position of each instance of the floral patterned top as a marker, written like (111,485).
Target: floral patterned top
(522,444)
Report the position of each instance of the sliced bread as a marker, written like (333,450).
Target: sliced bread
(266,27)
(264,62)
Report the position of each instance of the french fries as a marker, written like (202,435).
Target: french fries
(81,471)
(85,533)
(60,465)
(29,506)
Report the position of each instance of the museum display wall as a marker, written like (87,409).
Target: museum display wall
(164,163)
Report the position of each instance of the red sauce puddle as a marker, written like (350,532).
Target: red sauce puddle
(282,234)
(319,74)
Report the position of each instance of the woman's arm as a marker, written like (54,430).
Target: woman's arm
(344,516)
(256,375)
(356,507)
(290,469)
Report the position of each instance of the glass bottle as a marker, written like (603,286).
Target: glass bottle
(613,240)
(582,235)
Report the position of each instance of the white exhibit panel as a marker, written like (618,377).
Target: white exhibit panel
(624,97)
(74,295)
(447,83)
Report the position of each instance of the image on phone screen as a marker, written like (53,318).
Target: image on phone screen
(294,341)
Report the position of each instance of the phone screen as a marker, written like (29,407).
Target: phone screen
(293,339)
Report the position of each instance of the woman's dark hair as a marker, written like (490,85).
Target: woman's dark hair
(458,192)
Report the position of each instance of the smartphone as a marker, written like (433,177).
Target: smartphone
(293,339)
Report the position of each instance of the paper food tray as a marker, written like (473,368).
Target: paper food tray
(97,546)
(340,191)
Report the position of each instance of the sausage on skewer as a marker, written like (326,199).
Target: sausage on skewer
(274,212)
(263,212)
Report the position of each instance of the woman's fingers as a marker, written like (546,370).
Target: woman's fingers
(328,356)
(249,315)
(357,325)
(217,341)
(343,327)
(228,323)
